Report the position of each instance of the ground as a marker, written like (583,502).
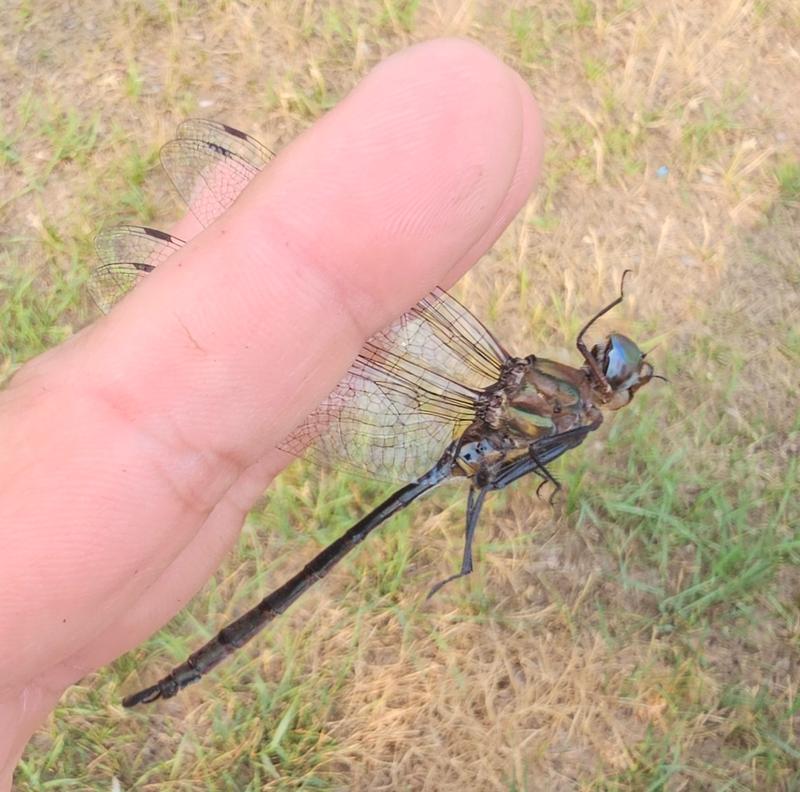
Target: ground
(643,632)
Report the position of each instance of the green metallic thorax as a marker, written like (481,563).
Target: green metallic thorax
(551,398)
(535,398)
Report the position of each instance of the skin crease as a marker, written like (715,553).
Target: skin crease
(132,452)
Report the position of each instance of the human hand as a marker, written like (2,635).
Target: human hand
(132,453)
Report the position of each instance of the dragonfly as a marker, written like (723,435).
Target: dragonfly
(433,397)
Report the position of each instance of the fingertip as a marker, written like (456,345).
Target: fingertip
(406,175)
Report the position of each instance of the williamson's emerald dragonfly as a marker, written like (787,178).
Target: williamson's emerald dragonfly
(433,397)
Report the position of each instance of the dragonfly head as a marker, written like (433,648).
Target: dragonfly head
(624,367)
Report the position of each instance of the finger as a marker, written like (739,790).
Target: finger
(202,556)
(171,591)
(422,199)
(199,558)
(205,367)
(531,155)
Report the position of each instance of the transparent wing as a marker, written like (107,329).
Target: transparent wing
(413,387)
(227,138)
(210,163)
(127,254)
(410,392)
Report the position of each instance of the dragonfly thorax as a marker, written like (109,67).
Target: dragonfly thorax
(537,398)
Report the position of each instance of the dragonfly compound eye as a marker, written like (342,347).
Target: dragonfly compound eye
(624,365)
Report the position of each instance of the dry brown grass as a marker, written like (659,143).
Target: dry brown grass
(646,633)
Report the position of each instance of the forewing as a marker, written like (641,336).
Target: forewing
(409,393)
(413,387)
(210,163)
(226,137)
(127,254)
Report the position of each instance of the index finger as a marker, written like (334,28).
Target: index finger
(395,191)
(226,347)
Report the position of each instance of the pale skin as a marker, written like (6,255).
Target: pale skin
(130,454)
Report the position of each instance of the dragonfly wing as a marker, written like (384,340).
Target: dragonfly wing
(411,391)
(227,137)
(414,385)
(210,163)
(127,254)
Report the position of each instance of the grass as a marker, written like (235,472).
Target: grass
(643,633)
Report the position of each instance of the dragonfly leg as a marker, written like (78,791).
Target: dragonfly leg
(546,476)
(474,504)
